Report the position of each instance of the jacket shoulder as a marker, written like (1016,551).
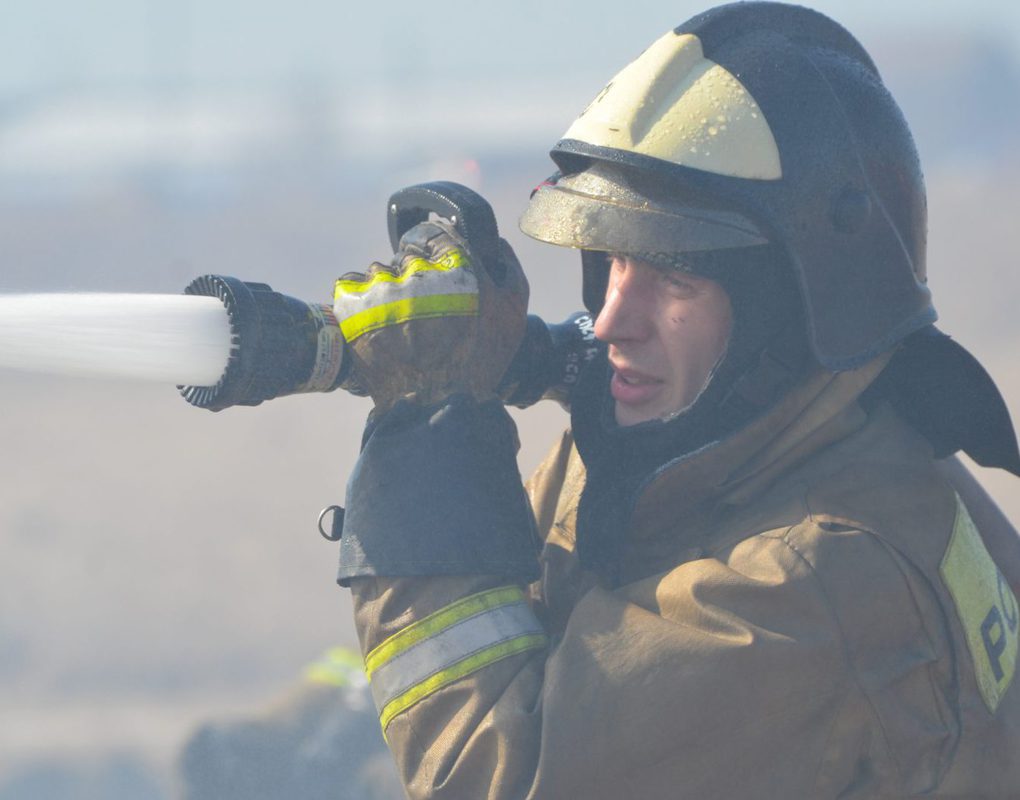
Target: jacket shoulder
(894,635)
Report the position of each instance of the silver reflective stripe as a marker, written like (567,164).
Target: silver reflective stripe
(450,646)
(348,302)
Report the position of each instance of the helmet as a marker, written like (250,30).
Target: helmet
(754,122)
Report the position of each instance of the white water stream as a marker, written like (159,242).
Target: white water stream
(178,339)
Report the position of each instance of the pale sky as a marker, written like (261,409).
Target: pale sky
(61,44)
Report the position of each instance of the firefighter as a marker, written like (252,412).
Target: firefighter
(318,742)
(752,567)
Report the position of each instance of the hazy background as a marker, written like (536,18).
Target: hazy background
(159,565)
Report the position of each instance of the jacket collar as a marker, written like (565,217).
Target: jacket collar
(822,409)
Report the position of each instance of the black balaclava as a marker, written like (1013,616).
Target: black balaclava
(766,353)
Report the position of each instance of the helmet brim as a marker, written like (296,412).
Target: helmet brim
(598,210)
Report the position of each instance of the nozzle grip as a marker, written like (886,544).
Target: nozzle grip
(549,362)
(468,211)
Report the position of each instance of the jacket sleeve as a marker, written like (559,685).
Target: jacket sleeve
(697,682)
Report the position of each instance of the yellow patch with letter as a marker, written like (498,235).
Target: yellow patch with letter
(986,606)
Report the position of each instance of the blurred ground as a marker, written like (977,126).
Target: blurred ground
(160,564)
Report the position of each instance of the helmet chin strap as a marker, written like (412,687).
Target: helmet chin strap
(704,387)
(780,365)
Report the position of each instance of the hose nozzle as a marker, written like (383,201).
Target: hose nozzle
(279,345)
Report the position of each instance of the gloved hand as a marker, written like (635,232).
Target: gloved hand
(431,336)
(434,322)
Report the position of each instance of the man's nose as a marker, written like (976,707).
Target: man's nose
(626,314)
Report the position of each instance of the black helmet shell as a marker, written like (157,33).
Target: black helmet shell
(848,204)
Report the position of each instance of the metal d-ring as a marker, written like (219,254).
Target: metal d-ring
(335,530)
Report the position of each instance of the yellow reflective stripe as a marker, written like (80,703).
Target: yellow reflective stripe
(408,308)
(461,669)
(338,666)
(439,621)
(451,259)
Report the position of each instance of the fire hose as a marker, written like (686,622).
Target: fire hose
(281,345)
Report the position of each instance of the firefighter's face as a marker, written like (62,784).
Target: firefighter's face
(666,332)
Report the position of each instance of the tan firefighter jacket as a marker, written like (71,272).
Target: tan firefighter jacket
(808,610)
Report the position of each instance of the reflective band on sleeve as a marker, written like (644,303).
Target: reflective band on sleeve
(449,645)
